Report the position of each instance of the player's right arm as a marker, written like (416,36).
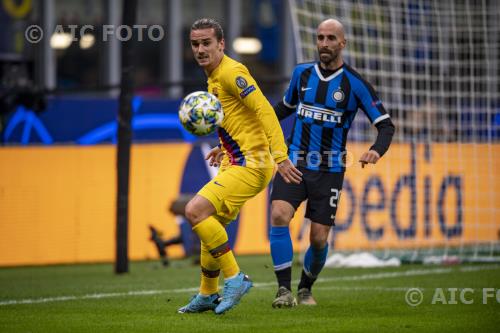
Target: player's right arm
(214,156)
(282,111)
(288,104)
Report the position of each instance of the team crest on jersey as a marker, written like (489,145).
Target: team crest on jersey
(241,82)
(215,92)
(338,95)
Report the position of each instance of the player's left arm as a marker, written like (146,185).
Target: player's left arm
(245,87)
(242,84)
(375,111)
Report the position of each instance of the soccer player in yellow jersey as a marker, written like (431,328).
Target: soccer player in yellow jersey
(251,142)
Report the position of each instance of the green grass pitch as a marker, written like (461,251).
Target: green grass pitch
(90,298)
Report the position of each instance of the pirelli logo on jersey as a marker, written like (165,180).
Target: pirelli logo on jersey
(317,113)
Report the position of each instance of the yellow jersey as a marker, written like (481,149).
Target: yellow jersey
(250,133)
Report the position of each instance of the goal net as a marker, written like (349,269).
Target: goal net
(435,65)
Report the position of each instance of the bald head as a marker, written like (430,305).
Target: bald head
(330,43)
(333,25)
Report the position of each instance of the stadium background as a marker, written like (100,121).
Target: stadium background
(57,165)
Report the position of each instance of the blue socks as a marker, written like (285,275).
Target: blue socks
(315,260)
(281,247)
(282,254)
(313,264)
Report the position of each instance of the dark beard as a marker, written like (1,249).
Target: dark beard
(333,58)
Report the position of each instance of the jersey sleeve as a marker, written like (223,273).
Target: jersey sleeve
(241,84)
(291,97)
(369,101)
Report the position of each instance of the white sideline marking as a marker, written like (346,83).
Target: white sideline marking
(379,288)
(385,275)
(374,276)
(95,296)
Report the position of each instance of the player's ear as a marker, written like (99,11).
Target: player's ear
(343,43)
(222,44)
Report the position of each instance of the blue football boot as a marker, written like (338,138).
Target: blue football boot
(200,303)
(234,289)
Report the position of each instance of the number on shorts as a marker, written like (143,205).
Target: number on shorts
(335,197)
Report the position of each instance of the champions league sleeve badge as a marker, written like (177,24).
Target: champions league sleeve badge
(241,82)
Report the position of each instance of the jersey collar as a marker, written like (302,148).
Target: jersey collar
(335,74)
(215,72)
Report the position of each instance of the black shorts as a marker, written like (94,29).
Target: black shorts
(321,189)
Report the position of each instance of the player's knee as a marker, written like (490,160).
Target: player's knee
(318,239)
(318,242)
(278,220)
(192,213)
(280,215)
(198,209)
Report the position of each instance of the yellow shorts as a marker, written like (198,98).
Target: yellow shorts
(232,187)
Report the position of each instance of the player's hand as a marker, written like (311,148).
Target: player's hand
(215,156)
(369,157)
(289,172)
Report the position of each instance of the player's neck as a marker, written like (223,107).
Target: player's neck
(211,68)
(332,66)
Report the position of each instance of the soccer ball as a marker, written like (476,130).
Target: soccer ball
(200,113)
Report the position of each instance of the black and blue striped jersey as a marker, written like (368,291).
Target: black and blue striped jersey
(325,109)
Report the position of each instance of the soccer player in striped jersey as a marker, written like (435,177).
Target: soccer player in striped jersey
(324,96)
(252,142)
